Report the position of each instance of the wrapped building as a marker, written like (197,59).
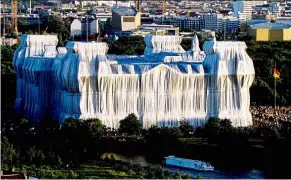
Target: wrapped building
(162,87)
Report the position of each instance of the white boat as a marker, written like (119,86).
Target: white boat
(188,163)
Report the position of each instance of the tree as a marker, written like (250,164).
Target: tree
(8,153)
(93,127)
(186,129)
(108,21)
(8,26)
(29,32)
(187,176)
(58,25)
(7,53)
(130,125)
(159,172)
(54,160)
(35,156)
(212,127)
(126,45)
(71,135)
(177,175)
(225,125)
(150,173)
(186,44)
(264,56)
(167,174)
(189,30)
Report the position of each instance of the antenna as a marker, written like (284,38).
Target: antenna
(30,7)
(87,27)
(4,28)
(38,22)
(224,28)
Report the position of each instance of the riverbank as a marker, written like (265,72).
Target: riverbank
(103,169)
(227,148)
(232,159)
(216,174)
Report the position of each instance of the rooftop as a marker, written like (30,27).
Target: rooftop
(124,11)
(271,25)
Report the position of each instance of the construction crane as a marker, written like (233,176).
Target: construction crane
(14,17)
(137,5)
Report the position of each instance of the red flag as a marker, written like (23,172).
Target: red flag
(276,73)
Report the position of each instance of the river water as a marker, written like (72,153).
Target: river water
(217,174)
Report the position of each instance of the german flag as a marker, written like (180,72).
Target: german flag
(276,73)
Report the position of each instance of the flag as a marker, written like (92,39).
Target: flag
(276,73)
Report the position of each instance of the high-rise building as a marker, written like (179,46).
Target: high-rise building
(241,6)
(191,23)
(210,20)
(228,23)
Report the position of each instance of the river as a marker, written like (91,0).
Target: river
(217,174)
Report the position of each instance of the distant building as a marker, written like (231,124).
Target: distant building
(76,28)
(66,6)
(32,20)
(8,41)
(166,21)
(140,33)
(260,16)
(275,8)
(42,10)
(228,23)
(210,20)
(191,23)
(157,29)
(125,18)
(242,17)
(271,31)
(146,19)
(80,27)
(241,6)
(103,16)
(84,3)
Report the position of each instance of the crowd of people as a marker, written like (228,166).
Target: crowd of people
(269,115)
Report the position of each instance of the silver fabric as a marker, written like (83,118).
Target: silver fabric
(162,87)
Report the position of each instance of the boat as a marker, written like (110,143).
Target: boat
(188,163)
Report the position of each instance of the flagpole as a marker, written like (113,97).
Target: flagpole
(275,86)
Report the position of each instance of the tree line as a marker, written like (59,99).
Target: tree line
(76,142)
